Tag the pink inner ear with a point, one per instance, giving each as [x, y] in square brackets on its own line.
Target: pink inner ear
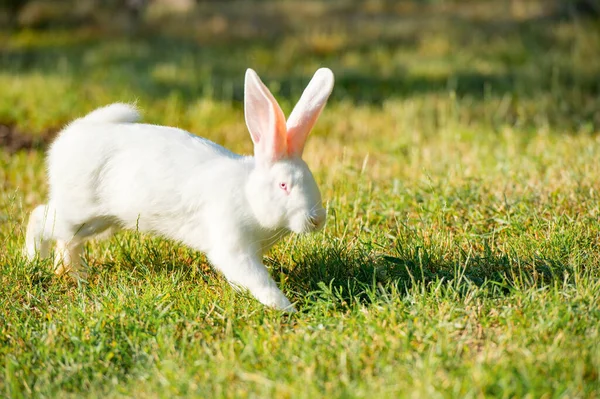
[278, 145]
[265, 120]
[307, 111]
[297, 134]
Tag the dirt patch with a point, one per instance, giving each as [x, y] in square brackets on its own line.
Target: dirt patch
[13, 139]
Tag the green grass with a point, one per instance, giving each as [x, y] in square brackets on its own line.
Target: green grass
[459, 159]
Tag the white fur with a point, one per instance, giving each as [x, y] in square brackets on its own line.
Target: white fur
[106, 172]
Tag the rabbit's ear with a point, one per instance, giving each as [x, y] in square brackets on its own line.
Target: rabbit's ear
[265, 120]
[306, 112]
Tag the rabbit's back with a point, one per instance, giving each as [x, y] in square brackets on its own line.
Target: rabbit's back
[134, 174]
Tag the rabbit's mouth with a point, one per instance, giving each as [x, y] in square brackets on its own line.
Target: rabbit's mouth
[309, 223]
[316, 222]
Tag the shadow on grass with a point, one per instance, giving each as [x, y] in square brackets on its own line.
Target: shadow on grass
[337, 275]
[349, 275]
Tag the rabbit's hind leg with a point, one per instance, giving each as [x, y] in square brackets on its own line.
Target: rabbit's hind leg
[69, 245]
[67, 259]
[70, 238]
[67, 253]
[38, 234]
[47, 224]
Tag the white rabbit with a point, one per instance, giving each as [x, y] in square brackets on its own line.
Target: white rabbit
[107, 172]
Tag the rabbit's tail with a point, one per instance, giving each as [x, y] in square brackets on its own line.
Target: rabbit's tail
[113, 113]
[36, 239]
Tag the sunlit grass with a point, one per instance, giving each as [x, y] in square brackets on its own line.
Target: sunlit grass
[459, 165]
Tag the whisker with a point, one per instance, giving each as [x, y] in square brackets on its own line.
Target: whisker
[270, 240]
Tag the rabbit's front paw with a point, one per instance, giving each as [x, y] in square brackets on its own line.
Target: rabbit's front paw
[274, 298]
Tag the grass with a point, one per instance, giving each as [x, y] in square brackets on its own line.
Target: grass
[459, 161]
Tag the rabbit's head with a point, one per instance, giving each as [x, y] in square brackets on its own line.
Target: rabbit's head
[281, 189]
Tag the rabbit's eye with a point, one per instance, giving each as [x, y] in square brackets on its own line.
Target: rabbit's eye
[284, 187]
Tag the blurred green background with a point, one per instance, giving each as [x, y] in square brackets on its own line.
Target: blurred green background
[533, 57]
